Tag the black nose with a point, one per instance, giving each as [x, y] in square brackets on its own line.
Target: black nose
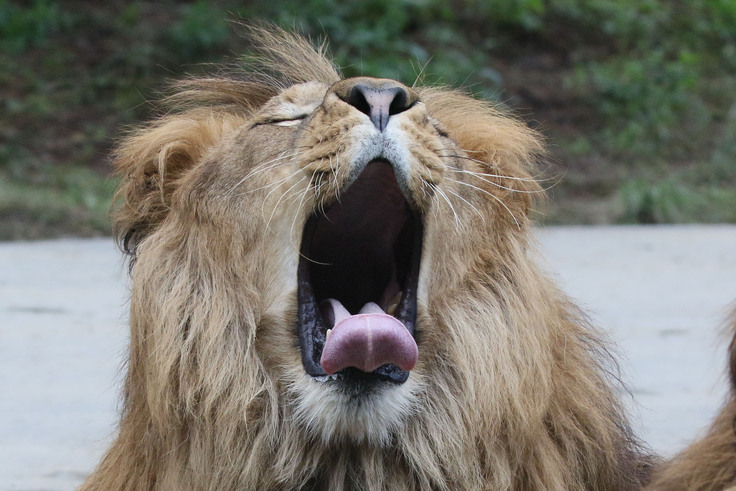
[379, 103]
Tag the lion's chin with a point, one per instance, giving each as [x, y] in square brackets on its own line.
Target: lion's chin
[357, 281]
[337, 413]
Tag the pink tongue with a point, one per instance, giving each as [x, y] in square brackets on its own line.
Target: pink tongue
[367, 340]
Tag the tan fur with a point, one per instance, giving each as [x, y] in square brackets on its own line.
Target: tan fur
[709, 463]
[513, 388]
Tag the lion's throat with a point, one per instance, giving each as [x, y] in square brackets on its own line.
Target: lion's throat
[366, 341]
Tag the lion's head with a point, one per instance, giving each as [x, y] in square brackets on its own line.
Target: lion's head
[334, 286]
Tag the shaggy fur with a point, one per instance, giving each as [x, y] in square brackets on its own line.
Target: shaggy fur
[708, 464]
[512, 389]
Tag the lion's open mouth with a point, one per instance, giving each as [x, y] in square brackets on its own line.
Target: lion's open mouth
[357, 282]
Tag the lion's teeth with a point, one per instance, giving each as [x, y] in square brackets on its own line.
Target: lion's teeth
[325, 378]
[391, 310]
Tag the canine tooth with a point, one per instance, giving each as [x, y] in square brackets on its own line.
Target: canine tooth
[327, 335]
[391, 310]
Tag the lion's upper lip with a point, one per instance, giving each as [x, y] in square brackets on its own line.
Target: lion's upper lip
[365, 248]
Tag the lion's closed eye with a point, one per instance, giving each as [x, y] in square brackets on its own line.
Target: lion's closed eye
[293, 105]
[290, 122]
[285, 118]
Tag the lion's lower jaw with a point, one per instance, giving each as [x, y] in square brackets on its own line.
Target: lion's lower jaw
[335, 415]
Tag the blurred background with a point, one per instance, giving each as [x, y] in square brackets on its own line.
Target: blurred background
[637, 98]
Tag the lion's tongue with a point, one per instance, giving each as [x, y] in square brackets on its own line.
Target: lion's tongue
[367, 340]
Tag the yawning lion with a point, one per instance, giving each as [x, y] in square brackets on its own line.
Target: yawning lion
[334, 286]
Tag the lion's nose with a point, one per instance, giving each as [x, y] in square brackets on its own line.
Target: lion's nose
[379, 103]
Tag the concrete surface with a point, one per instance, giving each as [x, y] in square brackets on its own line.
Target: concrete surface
[662, 292]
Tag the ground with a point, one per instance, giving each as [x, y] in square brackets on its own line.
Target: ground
[661, 292]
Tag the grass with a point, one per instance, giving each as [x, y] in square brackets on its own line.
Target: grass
[69, 201]
[635, 97]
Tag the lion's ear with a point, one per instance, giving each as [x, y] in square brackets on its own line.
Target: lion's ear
[152, 161]
[508, 147]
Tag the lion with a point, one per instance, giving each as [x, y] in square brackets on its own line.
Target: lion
[709, 463]
[335, 285]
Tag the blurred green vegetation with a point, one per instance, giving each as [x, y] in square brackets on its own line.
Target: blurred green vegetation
[637, 97]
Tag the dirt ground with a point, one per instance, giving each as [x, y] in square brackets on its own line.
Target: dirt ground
[662, 293]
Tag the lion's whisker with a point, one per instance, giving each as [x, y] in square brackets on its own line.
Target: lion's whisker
[500, 176]
[420, 75]
[317, 190]
[274, 185]
[480, 175]
[301, 203]
[487, 177]
[443, 195]
[263, 166]
[518, 225]
[271, 185]
[489, 181]
[292, 194]
[287, 196]
[322, 196]
[487, 174]
[314, 261]
[268, 165]
[433, 197]
[275, 207]
[334, 173]
[457, 195]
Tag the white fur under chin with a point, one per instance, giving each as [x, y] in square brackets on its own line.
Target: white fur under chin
[334, 417]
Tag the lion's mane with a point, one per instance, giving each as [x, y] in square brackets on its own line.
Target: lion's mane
[513, 388]
[709, 462]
